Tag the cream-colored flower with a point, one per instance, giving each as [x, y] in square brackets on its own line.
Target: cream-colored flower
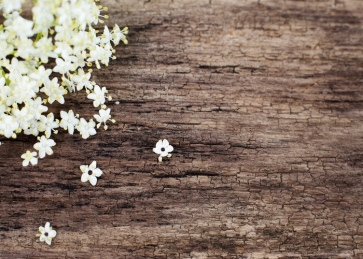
[29, 157]
[46, 233]
[90, 173]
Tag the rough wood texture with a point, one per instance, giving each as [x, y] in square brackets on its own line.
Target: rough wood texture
[263, 102]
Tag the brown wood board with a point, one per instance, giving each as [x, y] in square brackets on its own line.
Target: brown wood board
[263, 103]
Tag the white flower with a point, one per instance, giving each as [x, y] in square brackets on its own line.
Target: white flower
[163, 149]
[11, 5]
[35, 107]
[29, 157]
[8, 125]
[21, 27]
[47, 233]
[54, 91]
[98, 96]
[44, 146]
[22, 116]
[63, 66]
[119, 34]
[90, 173]
[86, 128]
[68, 121]
[82, 80]
[103, 117]
[48, 124]
[45, 49]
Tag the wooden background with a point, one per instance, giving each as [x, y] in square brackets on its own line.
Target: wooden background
[263, 103]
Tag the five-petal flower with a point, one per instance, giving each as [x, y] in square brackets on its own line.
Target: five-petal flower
[47, 233]
[29, 157]
[90, 173]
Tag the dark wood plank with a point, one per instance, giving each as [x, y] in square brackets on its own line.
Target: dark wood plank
[263, 102]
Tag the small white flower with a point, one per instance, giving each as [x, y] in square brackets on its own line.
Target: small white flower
[90, 173]
[103, 118]
[44, 146]
[163, 149]
[86, 128]
[82, 80]
[46, 233]
[68, 121]
[48, 124]
[29, 157]
[11, 5]
[8, 125]
[98, 96]
[21, 27]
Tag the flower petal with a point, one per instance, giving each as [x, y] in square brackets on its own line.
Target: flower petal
[93, 165]
[93, 180]
[165, 143]
[156, 150]
[84, 168]
[34, 161]
[84, 177]
[169, 149]
[48, 241]
[70, 129]
[46, 227]
[25, 162]
[159, 144]
[97, 172]
[164, 153]
[41, 153]
[52, 233]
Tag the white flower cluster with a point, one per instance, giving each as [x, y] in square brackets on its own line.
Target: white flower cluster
[61, 31]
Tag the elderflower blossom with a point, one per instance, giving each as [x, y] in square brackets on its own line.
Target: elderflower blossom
[90, 173]
[47, 233]
[29, 157]
[163, 149]
[103, 117]
[60, 33]
[86, 128]
[44, 146]
[69, 121]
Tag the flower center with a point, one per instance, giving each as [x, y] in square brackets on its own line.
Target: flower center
[162, 149]
[46, 234]
[90, 172]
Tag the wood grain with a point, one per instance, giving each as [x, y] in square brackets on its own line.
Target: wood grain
[263, 103]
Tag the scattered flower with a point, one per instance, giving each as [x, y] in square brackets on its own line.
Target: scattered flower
[29, 157]
[46, 233]
[163, 149]
[90, 173]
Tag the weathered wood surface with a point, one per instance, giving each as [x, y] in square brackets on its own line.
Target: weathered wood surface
[263, 102]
